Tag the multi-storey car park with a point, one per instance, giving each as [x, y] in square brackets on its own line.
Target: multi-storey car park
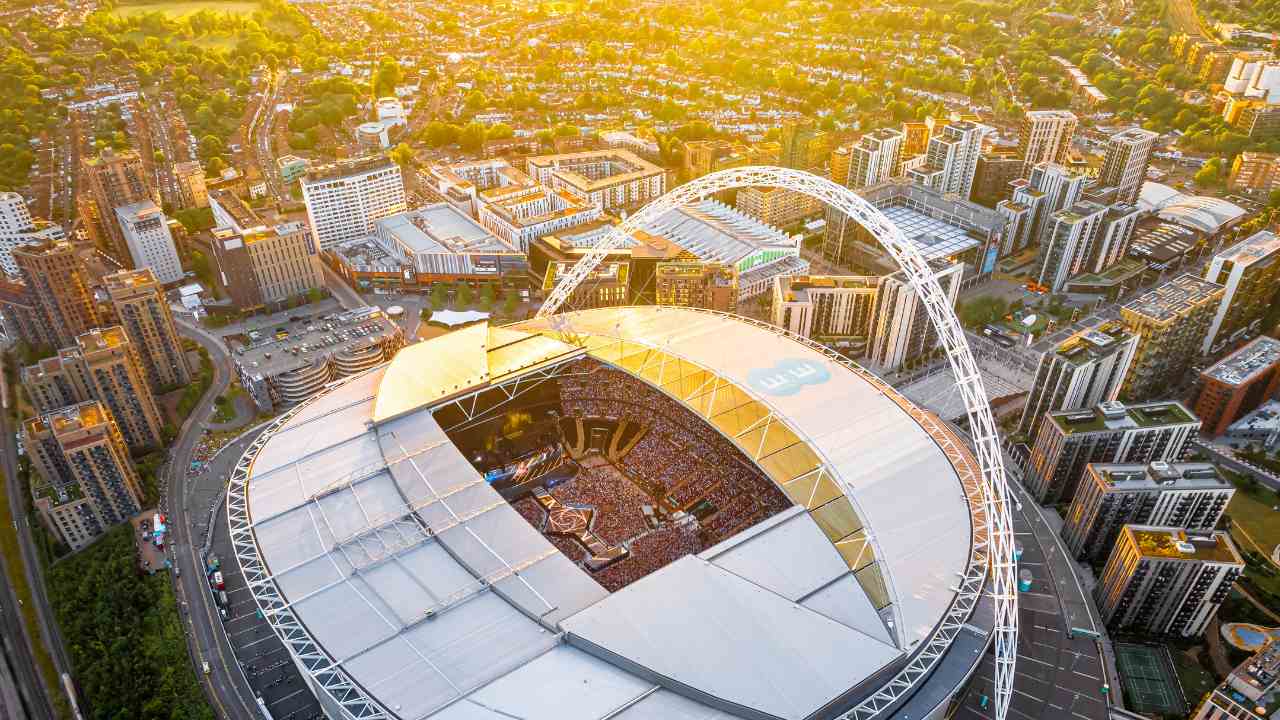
[675, 527]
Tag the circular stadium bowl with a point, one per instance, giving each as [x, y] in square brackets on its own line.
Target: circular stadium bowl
[636, 512]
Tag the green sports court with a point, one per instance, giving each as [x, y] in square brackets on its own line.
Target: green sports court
[1148, 679]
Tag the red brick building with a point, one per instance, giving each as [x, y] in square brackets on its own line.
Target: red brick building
[1238, 384]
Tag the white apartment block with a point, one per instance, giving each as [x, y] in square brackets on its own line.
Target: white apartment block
[1166, 581]
[17, 229]
[344, 199]
[901, 328]
[608, 179]
[521, 217]
[875, 156]
[1125, 166]
[146, 233]
[1044, 136]
[825, 305]
[952, 159]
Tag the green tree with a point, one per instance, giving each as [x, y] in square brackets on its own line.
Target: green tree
[387, 77]
[439, 296]
[463, 296]
[403, 155]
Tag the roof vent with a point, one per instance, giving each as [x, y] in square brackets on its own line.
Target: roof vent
[1112, 409]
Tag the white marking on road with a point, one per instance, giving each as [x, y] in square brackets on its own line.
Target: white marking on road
[277, 701]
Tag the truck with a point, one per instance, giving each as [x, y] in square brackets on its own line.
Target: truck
[217, 580]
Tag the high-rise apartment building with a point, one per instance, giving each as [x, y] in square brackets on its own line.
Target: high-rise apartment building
[803, 146]
[1044, 136]
[86, 481]
[1112, 432]
[191, 186]
[992, 177]
[1170, 322]
[1236, 385]
[113, 180]
[344, 199]
[1085, 370]
[146, 234]
[778, 207]
[1249, 273]
[59, 287]
[952, 158]
[1165, 580]
[902, 329]
[1255, 172]
[104, 366]
[1049, 188]
[1125, 165]
[139, 306]
[20, 316]
[873, 159]
[710, 286]
[1085, 237]
[1251, 690]
[825, 305]
[263, 267]
[17, 228]
[1191, 496]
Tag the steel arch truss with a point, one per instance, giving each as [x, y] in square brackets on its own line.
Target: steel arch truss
[986, 444]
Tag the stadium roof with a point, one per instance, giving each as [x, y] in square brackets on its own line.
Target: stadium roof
[716, 232]
[437, 599]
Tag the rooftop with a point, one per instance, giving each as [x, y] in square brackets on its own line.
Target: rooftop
[231, 203]
[1126, 477]
[1174, 299]
[125, 281]
[1178, 544]
[1092, 343]
[1246, 363]
[476, 608]
[714, 231]
[438, 228]
[343, 168]
[102, 338]
[1115, 415]
[795, 288]
[1259, 246]
[284, 347]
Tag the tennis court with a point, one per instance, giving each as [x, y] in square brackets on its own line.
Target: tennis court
[1149, 682]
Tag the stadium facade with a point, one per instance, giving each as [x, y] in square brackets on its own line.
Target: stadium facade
[407, 582]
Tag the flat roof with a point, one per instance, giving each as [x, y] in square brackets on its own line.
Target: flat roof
[1258, 246]
[716, 232]
[268, 356]
[1174, 298]
[1118, 416]
[436, 599]
[1132, 477]
[1247, 362]
[439, 228]
[1171, 543]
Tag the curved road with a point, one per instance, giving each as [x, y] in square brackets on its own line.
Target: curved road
[225, 683]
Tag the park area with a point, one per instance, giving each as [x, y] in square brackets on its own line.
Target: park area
[183, 8]
[1149, 681]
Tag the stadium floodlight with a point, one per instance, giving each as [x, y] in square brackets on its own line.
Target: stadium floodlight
[950, 334]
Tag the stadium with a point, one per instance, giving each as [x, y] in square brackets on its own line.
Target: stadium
[617, 513]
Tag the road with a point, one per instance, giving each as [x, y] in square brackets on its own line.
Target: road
[1058, 677]
[1225, 457]
[225, 683]
[34, 575]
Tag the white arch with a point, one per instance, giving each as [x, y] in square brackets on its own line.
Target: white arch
[950, 335]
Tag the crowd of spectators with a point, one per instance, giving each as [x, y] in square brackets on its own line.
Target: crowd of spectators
[679, 464]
